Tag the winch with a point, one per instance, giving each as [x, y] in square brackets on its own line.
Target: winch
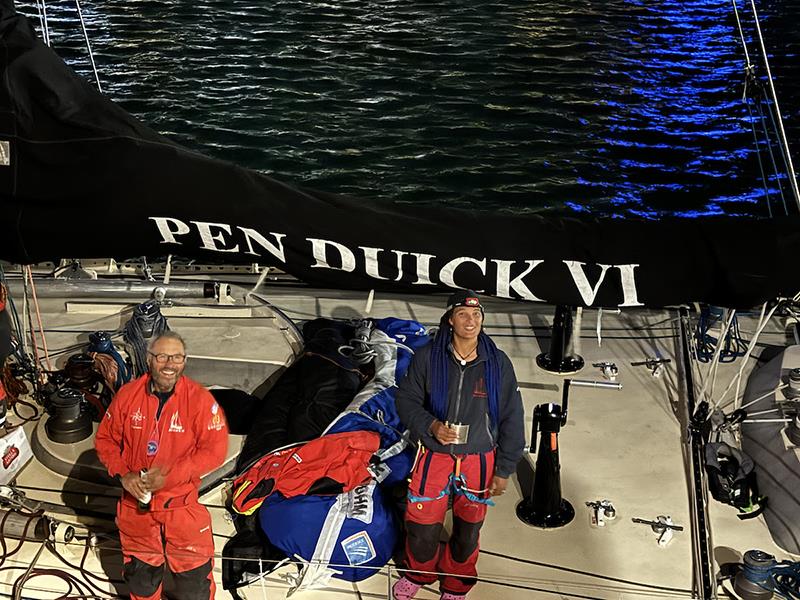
[69, 420]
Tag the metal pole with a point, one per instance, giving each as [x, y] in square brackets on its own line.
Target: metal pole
[94, 288]
[705, 583]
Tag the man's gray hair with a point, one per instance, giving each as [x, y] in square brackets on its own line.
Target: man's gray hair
[166, 335]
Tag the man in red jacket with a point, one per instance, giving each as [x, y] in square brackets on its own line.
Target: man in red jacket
[169, 426]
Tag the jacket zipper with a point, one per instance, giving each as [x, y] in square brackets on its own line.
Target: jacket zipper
[458, 398]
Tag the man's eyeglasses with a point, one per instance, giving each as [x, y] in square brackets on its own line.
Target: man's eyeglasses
[162, 358]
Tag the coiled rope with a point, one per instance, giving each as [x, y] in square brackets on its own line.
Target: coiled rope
[783, 577]
[100, 341]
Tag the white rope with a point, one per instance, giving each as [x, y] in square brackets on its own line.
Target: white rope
[712, 368]
[264, 272]
[750, 349]
[748, 64]
[762, 323]
[599, 327]
[88, 46]
[761, 397]
[261, 577]
[370, 300]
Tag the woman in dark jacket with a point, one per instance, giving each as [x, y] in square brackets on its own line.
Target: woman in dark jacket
[460, 400]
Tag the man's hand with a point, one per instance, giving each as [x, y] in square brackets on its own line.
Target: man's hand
[156, 478]
[134, 485]
[498, 486]
[443, 434]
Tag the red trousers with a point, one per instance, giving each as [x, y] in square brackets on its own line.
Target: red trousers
[425, 514]
[181, 534]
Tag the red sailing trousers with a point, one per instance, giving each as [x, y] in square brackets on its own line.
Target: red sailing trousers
[183, 534]
[425, 514]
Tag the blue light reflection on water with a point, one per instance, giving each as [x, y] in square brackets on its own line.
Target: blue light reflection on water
[619, 108]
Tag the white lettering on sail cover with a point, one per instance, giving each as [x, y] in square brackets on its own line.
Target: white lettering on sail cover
[448, 272]
[371, 262]
[170, 229]
[423, 268]
[211, 238]
[346, 256]
[505, 284]
[586, 290]
[503, 278]
[276, 249]
[167, 233]
[629, 296]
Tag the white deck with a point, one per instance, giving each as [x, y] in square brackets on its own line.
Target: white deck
[623, 445]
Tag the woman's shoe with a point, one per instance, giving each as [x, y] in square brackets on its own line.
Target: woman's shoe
[405, 589]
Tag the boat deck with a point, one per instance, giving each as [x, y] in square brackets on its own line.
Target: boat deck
[624, 445]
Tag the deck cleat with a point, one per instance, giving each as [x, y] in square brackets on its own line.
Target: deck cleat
[656, 365]
[609, 370]
[663, 527]
[602, 511]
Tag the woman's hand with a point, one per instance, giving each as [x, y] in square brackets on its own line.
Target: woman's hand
[443, 434]
[498, 486]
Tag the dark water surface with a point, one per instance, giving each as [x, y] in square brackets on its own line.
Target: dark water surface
[623, 108]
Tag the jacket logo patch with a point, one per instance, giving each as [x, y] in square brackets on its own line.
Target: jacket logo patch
[152, 448]
[479, 391]
[137, 419]
[215, 423]
[175, 423]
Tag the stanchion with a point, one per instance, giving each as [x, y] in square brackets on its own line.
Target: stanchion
[545, 507]
[559, 358]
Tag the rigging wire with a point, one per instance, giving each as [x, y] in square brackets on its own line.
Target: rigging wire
[781, 131]
[752, 82]
[768, 141]
[513, 582]
[88, 46]
[41, 7]
[585, 573]
[768, 145]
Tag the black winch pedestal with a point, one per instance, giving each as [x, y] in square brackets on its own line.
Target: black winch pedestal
[546, 508]
[559, 358]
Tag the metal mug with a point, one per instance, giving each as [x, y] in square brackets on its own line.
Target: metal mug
[462, 432]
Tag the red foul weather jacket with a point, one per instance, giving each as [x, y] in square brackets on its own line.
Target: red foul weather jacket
[189, 439]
